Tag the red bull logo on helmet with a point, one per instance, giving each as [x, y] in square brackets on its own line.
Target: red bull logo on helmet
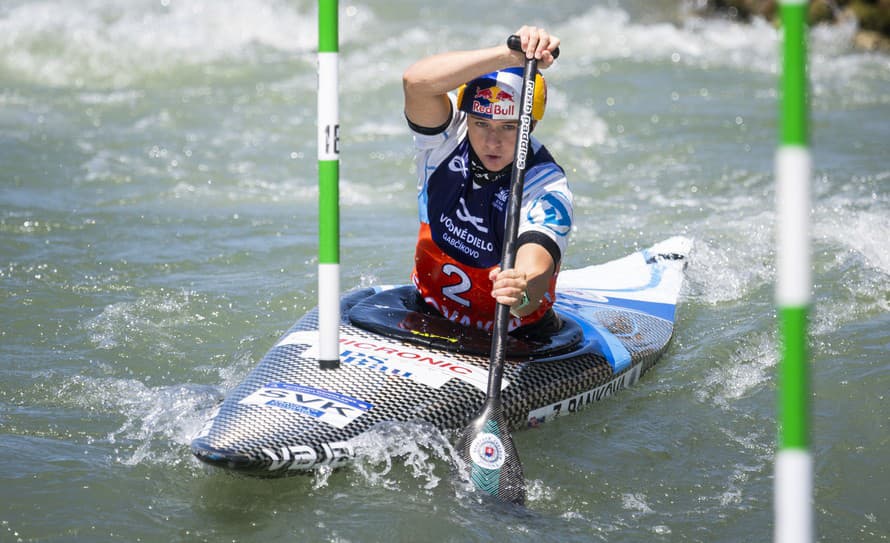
[496, 95]
[495, 103]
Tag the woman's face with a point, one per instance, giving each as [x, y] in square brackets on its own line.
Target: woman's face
[493, 141]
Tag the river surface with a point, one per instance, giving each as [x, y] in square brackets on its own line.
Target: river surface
[158, 233]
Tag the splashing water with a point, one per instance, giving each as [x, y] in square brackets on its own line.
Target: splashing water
[418, 446]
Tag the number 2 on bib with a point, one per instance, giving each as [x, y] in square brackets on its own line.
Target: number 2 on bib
[454, 291]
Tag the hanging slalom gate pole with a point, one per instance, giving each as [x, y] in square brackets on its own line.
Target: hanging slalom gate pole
[328, 189]
[794, 465]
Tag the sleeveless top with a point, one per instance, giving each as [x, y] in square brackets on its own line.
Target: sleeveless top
[462, 223]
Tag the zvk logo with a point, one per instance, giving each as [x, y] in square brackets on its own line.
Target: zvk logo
[464, 215]
[549, 210]
[458, 164]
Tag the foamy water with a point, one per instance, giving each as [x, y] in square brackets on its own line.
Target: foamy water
[158, 232]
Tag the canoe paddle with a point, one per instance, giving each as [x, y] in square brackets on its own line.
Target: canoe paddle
[485, 444]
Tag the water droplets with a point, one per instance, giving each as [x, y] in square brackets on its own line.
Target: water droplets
[420, 447]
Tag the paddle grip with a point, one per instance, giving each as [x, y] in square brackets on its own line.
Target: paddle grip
[515, 43]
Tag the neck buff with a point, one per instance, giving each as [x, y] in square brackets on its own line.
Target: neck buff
[482, 175]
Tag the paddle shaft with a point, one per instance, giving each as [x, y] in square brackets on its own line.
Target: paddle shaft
[508, 255]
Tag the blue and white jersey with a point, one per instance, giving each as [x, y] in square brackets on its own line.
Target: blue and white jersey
[462, 224]
[547, 199]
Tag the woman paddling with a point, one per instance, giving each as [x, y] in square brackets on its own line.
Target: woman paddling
[465, 142]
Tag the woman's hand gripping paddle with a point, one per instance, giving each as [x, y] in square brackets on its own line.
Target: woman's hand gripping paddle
[485, 443]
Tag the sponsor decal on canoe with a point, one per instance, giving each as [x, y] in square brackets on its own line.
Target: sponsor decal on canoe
[304, 457]
[338, 410]
[576, 403]
[432, 370]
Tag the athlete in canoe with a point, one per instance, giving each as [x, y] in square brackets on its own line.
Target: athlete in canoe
[465, 143]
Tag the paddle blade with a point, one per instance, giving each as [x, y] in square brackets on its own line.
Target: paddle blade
[487, 448]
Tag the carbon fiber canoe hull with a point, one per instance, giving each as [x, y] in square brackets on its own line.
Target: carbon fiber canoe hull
[289, 416]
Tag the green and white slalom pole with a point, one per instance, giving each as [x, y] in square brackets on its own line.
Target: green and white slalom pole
[794, 465]
[328, 187]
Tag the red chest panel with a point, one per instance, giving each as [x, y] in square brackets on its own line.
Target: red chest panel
[459, 292]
